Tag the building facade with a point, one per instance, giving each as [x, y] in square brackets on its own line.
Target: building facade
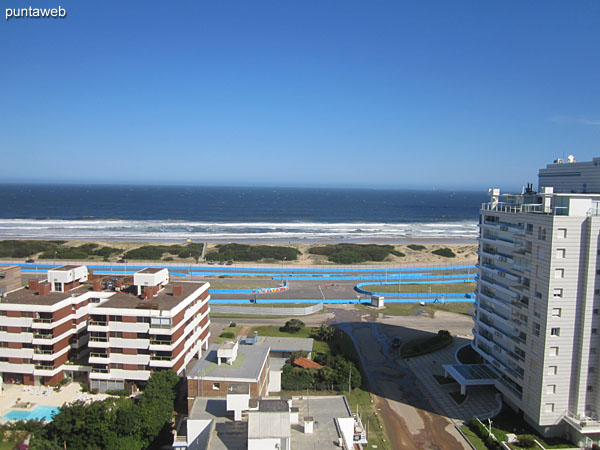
[114, 336]
[537, 315]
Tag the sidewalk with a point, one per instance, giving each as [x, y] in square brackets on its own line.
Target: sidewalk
[480, 399]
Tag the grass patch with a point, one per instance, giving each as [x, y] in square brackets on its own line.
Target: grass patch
[457, 397]
[409, 309]
[366, 407]
[423, 346]
[416, 247]
[473, 438]
[273, 331]
[246, 284]
[443, 380]
[510, 422]
[355, 253]
[436, 288]
[235, 330]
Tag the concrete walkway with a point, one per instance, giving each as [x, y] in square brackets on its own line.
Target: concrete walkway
[480, 399]
[67, 394]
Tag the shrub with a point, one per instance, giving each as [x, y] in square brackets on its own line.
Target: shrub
[297, 354]
[416, 247]
[119, 392]
[292, 326]
[355, 253]
[245, 252]
[232, 324]
[227, 335]
[445, 252]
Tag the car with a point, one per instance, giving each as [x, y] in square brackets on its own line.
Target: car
[29, 260]
[122, 261]
[396, 342]
[221, 263]
[230, 262]
[211, 262]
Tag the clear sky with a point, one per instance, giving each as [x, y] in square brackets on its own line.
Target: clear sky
[451, 94]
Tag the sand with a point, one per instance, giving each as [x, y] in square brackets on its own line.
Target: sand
[465, 253]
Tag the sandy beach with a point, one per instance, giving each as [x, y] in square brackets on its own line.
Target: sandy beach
[465, 252]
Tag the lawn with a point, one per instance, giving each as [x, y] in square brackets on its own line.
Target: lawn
[366, 407]
[243, 284]
[410, 309]
[473, 438]
[235, 330]
[510, 422]
[436, 288]
[273, 330]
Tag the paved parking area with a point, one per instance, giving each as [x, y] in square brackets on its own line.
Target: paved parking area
[481, 400]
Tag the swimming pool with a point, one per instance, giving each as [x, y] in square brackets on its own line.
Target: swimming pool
[40, 413]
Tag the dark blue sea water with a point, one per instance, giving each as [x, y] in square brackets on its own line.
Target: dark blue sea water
[233, 213]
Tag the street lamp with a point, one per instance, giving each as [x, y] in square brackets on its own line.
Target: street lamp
[284, 258]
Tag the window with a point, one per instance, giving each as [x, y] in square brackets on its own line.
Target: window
[115, 318]
[552, 370]
[556, 312]
[116, 366]
[590, 388]
[536, 329]
[559, 273]
[591, 369]
[549, 407]
[594, 330]
[560, 253]
[561, 233]
[551, 389]
[542, 233]
[529, 228]
[553, 351]
[557, 293]
[595, 311]
[116, 334]
[555, 331]
[593, 351]
[216, 386]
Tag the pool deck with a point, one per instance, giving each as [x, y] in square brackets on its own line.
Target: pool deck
[67, 394]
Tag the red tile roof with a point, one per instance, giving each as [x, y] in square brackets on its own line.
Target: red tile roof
[307, 363]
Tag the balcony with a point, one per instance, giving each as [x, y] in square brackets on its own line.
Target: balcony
[100, 370]
[42, 320]
[43, 336]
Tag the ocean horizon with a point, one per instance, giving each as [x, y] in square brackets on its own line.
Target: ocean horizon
[200, 213]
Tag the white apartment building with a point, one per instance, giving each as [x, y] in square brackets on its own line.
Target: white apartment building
[537, 315]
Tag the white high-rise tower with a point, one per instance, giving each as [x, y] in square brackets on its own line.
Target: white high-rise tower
[537, 317]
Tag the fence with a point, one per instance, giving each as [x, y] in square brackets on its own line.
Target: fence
[266, 311]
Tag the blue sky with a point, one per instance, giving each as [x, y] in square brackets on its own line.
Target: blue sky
[451, 94]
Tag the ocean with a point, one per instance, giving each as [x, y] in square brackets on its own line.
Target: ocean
[173, 213]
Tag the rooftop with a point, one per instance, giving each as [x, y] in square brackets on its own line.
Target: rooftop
[26, 296]
[287, 344]
[150, 270]
[307, 363]
[274, 425]
[229, 434]
[273, 405]
[64, 268]
[164, 300]
[248, 364]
